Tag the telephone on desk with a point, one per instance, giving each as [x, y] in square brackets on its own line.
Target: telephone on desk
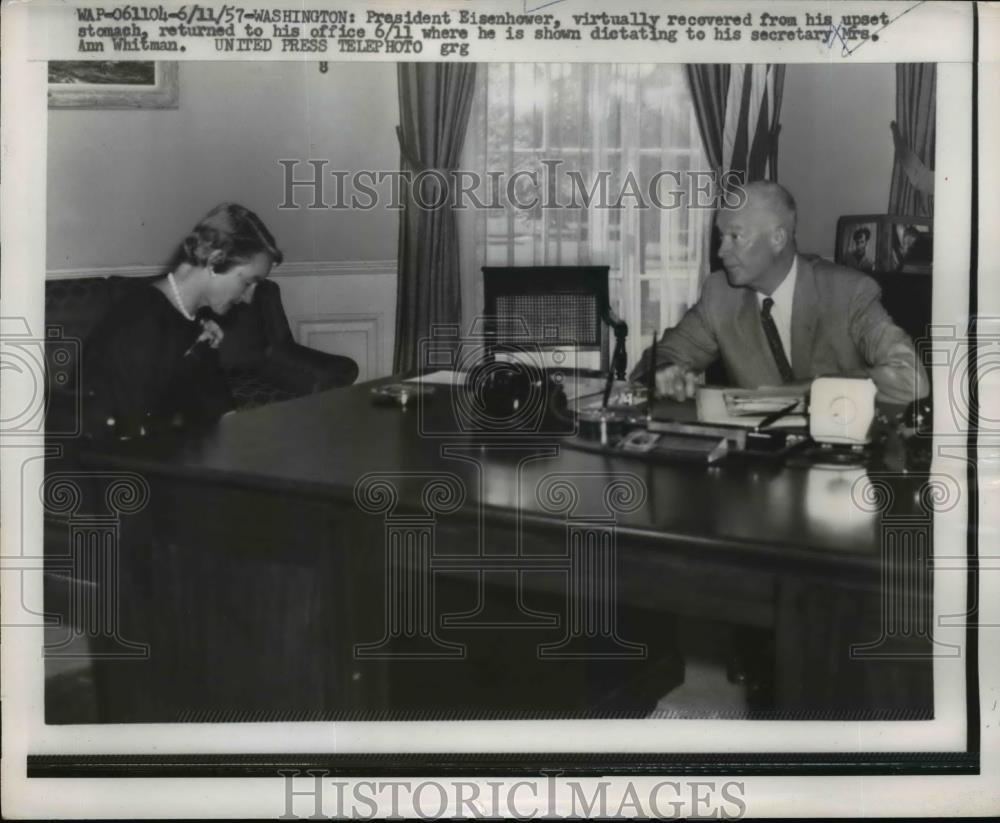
[510, 390]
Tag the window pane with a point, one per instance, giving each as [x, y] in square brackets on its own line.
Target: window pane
[529, 99]
[596, 118]
[649, 219]
[649, 308]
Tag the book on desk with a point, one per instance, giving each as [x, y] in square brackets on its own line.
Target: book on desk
[721, 422]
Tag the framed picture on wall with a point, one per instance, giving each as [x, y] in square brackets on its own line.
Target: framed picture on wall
[113, 84]
[858, 241]
[909, 244]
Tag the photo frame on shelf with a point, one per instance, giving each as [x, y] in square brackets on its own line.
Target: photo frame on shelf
[909, 244]
[858, 241]
[886, 243]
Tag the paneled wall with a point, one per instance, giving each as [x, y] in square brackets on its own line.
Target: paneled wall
[344, 308]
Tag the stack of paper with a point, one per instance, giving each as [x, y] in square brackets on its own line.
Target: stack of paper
[749, 407]
[742, 402]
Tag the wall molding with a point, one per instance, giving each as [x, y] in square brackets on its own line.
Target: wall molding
[335, 267]
[297, 268]
[104, 271]
[358, 288]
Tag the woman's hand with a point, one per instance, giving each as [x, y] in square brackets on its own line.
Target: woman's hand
[212, 332]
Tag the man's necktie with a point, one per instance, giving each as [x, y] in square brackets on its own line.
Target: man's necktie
[774, 341]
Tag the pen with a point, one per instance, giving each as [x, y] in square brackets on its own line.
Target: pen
[607, 388]
[775, 416]
[651, 394]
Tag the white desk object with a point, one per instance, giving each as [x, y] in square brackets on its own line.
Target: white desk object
[841, 410]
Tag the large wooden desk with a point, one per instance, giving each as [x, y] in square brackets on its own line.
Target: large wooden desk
[323, 558]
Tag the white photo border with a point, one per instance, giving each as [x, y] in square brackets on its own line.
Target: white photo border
[359, 745]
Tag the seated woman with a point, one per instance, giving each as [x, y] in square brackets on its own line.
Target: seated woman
[152, 362]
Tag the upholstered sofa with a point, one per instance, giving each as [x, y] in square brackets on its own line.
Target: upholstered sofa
[262, 361]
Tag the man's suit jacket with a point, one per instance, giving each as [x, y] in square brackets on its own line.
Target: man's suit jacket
[839, 328]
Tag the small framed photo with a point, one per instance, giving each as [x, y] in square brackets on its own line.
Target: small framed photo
[858, 241]
[909, 244]
[113, 84]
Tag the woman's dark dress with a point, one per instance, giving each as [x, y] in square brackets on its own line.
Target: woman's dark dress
[144, 373]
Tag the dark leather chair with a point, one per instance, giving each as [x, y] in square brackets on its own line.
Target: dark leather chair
[553, 307]
[262, 362]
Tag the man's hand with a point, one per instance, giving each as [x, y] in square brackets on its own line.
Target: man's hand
[676, 382]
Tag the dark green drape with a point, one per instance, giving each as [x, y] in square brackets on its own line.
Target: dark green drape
[763, 159]
[755, 156]
[435, 100]
[709, 84]
[916, 93]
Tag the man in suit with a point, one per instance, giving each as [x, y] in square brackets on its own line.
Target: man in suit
[775, 316]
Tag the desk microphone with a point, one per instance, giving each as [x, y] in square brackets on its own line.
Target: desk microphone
[607, 386]
[651, 377]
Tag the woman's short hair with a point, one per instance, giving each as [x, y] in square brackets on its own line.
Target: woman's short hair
[228, 235]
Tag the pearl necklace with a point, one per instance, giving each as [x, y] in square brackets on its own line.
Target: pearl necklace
[177, 298]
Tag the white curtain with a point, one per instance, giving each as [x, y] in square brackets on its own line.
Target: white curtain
[622, 123]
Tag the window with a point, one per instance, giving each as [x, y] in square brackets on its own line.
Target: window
[553, 134]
